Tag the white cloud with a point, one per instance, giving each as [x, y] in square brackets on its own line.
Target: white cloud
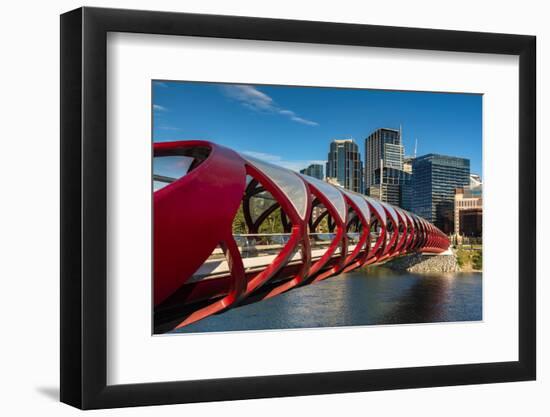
[294, 165]
[287, 113]
[304, 121]
[254, 99]
[250, 96]
[158, 107]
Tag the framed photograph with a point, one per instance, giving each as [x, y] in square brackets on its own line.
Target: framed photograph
[257, 208]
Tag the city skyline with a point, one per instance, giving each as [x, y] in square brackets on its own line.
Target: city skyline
[265, 121]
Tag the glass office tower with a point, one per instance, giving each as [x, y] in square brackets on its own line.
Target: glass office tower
[344, 165]
[385, 178]
[434, 181]
[313, 170]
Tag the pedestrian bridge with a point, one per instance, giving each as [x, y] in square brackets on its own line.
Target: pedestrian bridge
[230, 229]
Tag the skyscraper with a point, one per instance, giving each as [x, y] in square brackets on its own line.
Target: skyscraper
[344, 164]
[313, 170]
[434, 181]
[385, 178]
[407, 164]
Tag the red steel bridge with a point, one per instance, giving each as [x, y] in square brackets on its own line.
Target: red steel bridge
[203, 265]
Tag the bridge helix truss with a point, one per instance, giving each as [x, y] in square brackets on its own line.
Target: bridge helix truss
[211, 248]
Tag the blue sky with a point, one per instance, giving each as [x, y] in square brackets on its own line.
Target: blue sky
[293, 126]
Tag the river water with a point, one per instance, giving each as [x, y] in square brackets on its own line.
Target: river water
[363, 297]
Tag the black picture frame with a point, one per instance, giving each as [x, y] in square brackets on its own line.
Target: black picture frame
[84, 207]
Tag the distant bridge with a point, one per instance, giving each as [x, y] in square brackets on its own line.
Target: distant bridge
[202, 266]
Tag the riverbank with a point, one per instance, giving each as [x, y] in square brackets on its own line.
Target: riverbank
[418, 263]
[457, 261]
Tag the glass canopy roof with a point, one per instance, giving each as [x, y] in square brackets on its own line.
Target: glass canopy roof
[393, 213]
[331, 192]
[288, 182]
[359, 202]
[378, 207]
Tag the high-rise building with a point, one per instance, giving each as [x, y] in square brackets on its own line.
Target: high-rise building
[407, 164]
[385, 177]
[434, 181]
[382, 147]
[313, 170]
[468, 215]
[344, 164]
[395, 188]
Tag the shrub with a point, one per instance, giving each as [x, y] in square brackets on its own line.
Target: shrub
[462, 258]
[477, 259]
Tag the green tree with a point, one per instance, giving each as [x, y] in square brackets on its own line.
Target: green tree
[323, 226]
[239, 224]
[477, 259]
[462, 257]
[272, 224]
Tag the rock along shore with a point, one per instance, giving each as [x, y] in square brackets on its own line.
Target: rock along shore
[425, 264]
